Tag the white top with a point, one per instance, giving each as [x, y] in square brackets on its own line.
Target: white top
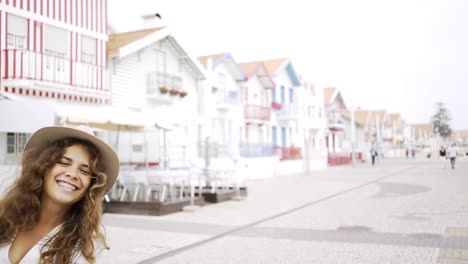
[452, 151]
[34, 254]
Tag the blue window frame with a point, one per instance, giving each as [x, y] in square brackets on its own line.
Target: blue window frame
[283, 136]
[282, 94]
[291, 95]
[274, 135]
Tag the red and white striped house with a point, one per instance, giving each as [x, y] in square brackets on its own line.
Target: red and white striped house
[52, 51]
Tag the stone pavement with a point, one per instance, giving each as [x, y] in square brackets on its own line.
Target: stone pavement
[400, 211]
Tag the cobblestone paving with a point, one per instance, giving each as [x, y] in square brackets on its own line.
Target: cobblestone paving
[397, 212]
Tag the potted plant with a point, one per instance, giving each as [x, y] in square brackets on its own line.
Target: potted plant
[214, 89]
[276, 105]
[174, 92]
[182, 94]
[163, 90]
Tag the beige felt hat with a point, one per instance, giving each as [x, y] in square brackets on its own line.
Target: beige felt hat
[46, 135]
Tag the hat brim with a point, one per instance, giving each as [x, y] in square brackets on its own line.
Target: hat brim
[47, 135]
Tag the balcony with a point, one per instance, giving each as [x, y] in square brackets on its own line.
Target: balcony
[257, 113]
[227, 99]
[164, 88]
[288, 112]
[54, 74]
[335, 124]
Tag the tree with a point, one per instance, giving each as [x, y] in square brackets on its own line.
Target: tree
[440, 121]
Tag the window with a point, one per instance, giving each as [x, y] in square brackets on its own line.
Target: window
[291, 95]
[137, 147]
[273, 95]
[15, 42]
[55, 48]
[282, 95]
[274, 135]
[17, 32]
[222, 81]
[88, 49]
[15, 143]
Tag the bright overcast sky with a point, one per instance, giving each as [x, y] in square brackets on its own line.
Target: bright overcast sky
[398, 55]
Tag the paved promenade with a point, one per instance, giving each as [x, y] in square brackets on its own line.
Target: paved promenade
[400, 211]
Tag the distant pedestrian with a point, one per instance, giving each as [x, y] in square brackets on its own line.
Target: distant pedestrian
[413, 152]
[452, 152]
[443, 156]
[374, 154]
[407, 153]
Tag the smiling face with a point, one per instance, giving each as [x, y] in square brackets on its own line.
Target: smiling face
[68, 180]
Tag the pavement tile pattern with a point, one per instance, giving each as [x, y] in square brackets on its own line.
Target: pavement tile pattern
[400, 211]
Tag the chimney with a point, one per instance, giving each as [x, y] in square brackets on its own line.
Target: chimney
[153, 20]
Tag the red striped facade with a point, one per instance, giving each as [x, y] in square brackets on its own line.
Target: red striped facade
[54, 49]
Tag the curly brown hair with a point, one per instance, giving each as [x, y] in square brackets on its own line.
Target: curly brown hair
[20, 208]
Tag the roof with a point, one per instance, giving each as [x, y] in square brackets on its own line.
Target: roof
[275, 66]
[460, 133]
[224, 58]
[361, 116]
[347, 114]
[119, 40]
[258, 69]
[215, 57]
[123, 44]
[328, 94]
[395, 117]
[420, 129]
[378, 114]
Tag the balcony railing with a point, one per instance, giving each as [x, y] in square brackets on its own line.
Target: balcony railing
[257, 112]
[164, 88]
[256, 150]
[77, 76]
[289, 111]
[227, 98]
[289, 153]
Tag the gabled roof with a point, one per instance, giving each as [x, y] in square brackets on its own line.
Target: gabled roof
[380, 115]
[123, 44]
[224, 58]
[420, 129]
[215, 57]
[395, 118]
[119, 40]
[258, 69]
[362, 116]
[276, 66]
[358, 122]
[330, 94]
[460, 134]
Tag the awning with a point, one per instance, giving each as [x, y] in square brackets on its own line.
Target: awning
[104, 117]
[26, 116]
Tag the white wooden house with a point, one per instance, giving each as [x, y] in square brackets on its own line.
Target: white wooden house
[224, 110]
[287, 115]
[151, 73]
[258, 158]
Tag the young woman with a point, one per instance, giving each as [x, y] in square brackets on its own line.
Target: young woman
[443, 156]
[53, 212]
